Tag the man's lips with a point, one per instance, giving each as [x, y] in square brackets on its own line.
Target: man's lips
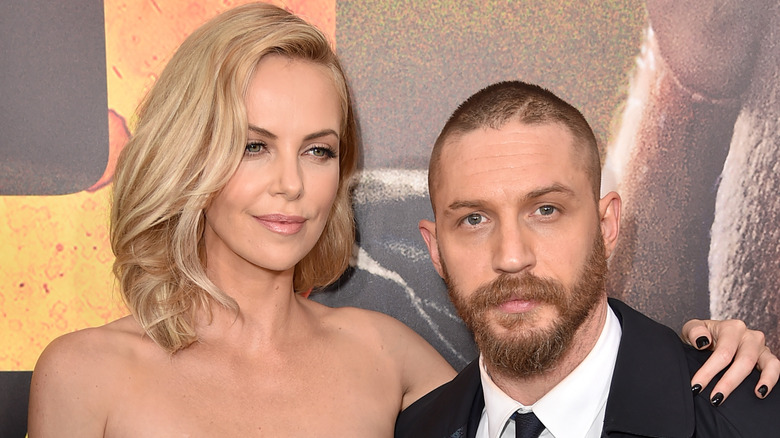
[517, 305]
[282, 224]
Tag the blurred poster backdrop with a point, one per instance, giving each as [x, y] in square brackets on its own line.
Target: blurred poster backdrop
[684, 100]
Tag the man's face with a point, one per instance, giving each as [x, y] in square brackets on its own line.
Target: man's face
[518, 239]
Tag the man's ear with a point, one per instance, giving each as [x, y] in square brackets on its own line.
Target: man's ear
[609, 217]
[428, 232]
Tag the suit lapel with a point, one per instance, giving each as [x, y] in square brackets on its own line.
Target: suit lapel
[648, 395]
[452, 410]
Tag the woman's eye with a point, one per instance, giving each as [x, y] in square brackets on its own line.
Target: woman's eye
[254, 148]
[474, 219]
[321, 152]
[546, 210]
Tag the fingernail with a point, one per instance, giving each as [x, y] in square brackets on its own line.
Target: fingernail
[702, 341]
[717, 399]
[696, 389]
[763, 390]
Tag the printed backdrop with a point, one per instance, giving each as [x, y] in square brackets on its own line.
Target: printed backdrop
[684, 99]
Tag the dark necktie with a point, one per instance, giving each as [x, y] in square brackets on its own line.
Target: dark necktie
[527, 425]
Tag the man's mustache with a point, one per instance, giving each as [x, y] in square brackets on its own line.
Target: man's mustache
[526, 286]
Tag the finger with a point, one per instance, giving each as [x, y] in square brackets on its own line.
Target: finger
[769, 365]
[719, 360]
[696, 333]
[744, 364]
[732, 338]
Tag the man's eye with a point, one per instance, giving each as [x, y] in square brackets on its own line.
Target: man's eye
[546, 210]
[474, 219]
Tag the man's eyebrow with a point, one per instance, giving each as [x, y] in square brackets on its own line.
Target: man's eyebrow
[464, 204]
[554, 188]
[312, 136]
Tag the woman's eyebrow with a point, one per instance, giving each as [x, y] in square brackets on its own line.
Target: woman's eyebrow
[266, 133]
[263, 132]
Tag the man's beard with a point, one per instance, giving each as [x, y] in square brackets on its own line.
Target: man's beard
[526, 351]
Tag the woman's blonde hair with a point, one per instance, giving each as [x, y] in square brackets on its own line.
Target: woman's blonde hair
[189, 139]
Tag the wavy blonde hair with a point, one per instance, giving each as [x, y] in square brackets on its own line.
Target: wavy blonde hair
[189, 139]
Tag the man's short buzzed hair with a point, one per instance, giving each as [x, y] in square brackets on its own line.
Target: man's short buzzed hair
[494, 106]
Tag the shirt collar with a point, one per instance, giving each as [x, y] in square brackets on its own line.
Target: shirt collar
[573, 405]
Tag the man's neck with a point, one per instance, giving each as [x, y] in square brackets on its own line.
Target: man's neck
[527, 390]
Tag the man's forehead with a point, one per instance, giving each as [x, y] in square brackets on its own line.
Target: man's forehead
[510, 145]
[515, 157]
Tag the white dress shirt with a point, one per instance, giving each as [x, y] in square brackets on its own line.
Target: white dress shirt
[574, 408]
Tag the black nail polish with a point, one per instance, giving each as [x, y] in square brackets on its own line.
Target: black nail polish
[763, 390]
[702, 341]
[717, 399]
[696, 389]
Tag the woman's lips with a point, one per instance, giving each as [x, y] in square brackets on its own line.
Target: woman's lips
[282, 224]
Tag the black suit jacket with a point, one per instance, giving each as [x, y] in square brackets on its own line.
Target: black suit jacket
[650, 394]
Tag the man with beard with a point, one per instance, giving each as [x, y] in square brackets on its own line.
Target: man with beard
[521, 239]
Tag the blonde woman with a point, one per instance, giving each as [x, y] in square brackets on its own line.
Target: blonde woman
[231, 199]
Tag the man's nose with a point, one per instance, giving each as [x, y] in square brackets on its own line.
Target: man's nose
[513, 250]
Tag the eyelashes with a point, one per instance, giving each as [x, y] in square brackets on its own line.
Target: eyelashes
[543, 213]
[323, 152]
[254, 148]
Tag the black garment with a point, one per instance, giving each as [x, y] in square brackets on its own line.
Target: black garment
[650, 394]
[527, 425]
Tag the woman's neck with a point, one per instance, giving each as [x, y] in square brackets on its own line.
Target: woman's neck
[268, 309]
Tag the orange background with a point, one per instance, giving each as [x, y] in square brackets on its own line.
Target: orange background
[55, 258]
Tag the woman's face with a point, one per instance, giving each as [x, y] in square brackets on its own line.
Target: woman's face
[273, 209]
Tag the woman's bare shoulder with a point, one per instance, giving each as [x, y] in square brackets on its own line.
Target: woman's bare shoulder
[421, 367]
[71, 387]
[86, 355]
[365, 322]
[107, 342]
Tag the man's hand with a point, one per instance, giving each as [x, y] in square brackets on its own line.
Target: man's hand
[732, 343]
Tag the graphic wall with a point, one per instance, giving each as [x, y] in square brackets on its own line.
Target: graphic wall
[684, 99]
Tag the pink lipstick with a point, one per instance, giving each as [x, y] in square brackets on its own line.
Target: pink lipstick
[281, 224]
